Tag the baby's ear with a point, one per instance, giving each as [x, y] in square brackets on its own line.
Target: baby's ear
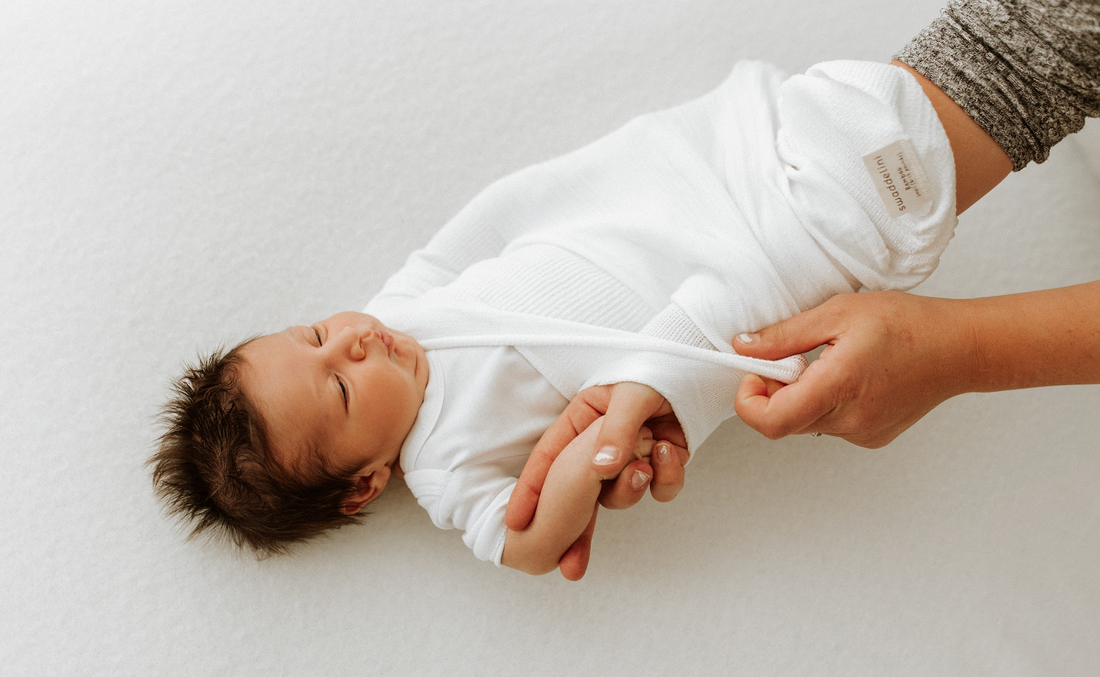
[368, 486]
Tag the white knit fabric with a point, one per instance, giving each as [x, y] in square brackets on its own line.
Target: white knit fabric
[831, 117]
[640, 256]
[573, 356]
[484, 409]
[723, 215]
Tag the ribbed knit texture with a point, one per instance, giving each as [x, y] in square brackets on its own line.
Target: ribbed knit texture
[1027, 71]
[673, 324]
[582, 291]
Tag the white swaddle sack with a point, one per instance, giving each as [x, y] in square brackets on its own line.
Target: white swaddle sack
[641, 255]
[810, 216]
[726, 214]
[862, 140]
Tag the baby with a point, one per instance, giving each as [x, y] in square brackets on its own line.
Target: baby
[635, 259]
[352, 387]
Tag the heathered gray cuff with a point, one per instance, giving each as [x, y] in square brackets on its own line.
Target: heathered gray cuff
[1028, 71]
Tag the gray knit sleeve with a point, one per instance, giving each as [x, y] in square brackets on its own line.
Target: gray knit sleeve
[1028, 71]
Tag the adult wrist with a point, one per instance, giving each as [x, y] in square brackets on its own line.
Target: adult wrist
[1034, 339]
[964, 357]
[969, 352]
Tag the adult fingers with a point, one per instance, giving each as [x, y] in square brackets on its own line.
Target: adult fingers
[776, 412]
[663, 476]
[574, 563]
[628, 488]
[630, 405]
[578, 415]
[525, 495]
[795, 335]
[668, 471]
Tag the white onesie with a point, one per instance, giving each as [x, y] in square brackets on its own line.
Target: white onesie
[640, 256]
[484, 409]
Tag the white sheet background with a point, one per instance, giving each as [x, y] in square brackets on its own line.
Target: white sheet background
[174, 175]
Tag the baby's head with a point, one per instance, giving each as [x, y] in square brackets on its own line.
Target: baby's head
[290, 434]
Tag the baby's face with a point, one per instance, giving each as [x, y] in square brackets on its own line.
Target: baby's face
[347, 385]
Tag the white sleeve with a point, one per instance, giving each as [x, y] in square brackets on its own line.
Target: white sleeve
[673, 324]
[482, 230]
[701, 393]
[467, 238]
[473, 500]
[485, 495]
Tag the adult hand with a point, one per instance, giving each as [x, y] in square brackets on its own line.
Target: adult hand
[625, 407]
[890, 359]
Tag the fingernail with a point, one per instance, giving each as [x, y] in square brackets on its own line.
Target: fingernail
[664, 453]
[639, 479]
[607, 456]
[748, 339]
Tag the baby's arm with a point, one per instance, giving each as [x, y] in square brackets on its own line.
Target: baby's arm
[565, 506]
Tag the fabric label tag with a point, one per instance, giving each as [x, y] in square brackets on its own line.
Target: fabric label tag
[896, 172]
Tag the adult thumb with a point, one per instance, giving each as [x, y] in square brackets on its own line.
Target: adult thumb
[799, 334]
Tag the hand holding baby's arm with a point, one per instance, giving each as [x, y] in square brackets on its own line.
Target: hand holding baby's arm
[626, 406]
[566, 505]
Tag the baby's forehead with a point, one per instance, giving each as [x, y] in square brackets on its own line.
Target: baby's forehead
[271, 349]
[256, 360]
[273, 380]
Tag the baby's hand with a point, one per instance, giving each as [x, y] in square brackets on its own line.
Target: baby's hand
[643, 447]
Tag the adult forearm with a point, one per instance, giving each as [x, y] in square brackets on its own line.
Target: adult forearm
[980, 164]
[893, 357]
[1035, 339]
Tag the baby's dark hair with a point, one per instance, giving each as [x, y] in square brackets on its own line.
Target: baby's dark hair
[214, 467]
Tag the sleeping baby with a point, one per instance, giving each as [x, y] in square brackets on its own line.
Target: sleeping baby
[634, 259]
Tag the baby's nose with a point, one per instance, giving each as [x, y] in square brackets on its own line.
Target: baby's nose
[349, 342]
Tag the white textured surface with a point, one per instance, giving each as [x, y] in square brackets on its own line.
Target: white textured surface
[1088, 142]
[178, 174]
